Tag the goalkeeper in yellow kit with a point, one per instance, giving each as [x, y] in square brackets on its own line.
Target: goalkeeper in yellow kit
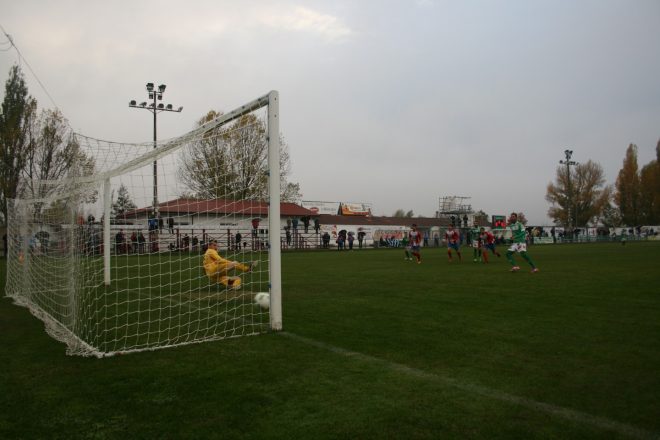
[217, 268]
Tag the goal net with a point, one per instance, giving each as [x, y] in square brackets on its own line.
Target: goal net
[113, 258]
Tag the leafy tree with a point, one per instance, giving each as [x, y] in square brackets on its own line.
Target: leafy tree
[650, 190]
[16, 115]
[124, 202]
[410, 214]
[628, 191]
[579, 197]
[233, 160]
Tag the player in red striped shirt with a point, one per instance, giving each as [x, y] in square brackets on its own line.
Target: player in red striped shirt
[453, 239]
[488, 244]
[415, 238]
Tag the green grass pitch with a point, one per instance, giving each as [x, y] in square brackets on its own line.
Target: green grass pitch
[377, 347]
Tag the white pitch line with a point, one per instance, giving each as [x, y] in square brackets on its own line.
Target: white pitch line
[547, 408]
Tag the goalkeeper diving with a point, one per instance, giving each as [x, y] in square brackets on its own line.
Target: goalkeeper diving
[217, 268]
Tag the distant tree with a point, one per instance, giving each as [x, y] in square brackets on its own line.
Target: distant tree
[480, 217]
[410, 214]
[650, 190]
[611, 217]
[399, 213]
[233, 160]
[521, 218]
[291, 193]
[583, 199]
[124, 202]
[16, 115]
[628, 188]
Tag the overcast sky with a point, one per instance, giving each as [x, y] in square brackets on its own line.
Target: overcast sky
[394, 103]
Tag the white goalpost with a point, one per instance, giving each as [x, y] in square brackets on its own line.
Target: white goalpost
[113, 263]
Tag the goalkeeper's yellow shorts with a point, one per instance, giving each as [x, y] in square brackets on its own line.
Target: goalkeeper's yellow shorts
[230, 282]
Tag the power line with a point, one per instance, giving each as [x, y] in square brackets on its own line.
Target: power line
[22, 59]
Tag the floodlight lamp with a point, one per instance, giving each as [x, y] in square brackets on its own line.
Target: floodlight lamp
[143, 104]
[160, 106]
[132, 103]
[169, 106]
[152, 105]
[161, 88]
[180, 108]
[150, 87]
[151, 96]
[160, 96]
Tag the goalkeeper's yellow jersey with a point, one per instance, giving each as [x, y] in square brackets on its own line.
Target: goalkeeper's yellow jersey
[212, 260]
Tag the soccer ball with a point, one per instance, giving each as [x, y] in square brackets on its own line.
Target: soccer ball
[262, 299]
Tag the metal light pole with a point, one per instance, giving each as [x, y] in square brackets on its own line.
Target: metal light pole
[568, 162]
[155, 108]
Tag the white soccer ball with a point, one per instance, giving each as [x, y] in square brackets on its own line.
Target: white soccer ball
[262, 299]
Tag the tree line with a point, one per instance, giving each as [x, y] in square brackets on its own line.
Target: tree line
[580, 196]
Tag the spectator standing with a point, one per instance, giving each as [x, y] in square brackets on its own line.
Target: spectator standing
[119, 242]
[341, 239]
[360, 237]
[134, 242]
[141, 242]
[255, 231]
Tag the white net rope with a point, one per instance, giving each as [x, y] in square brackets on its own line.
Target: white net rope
[212, 185]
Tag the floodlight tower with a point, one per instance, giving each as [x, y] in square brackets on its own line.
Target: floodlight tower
[155, 108]
[568, 162]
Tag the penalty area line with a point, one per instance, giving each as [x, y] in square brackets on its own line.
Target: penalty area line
[547, 408]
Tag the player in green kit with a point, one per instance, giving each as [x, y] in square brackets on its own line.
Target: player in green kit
[519, 244]
[475, 238]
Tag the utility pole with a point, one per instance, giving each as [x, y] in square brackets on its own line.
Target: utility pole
[568, 162]
[155, 108]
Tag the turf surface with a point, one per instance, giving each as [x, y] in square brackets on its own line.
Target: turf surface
[378, 347]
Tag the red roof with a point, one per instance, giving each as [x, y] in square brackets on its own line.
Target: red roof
[185, 206]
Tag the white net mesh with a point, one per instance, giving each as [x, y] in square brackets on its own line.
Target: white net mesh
[212, 185]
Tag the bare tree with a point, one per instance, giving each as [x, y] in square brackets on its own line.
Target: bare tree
[233, 160]
[54, 155]
[585, 198]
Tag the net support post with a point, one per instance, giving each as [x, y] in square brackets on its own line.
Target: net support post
[107, 203]
[274, 214]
